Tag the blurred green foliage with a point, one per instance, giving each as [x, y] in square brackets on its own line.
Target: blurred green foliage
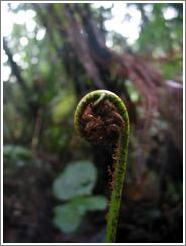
[161, 37]
[16, 155]
[75, 185]
[78, 179]
[63, 106]
[69, 217]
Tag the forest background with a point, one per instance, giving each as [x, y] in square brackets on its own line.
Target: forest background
[53, 54]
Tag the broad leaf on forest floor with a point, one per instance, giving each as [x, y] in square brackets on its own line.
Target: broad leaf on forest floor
[77, 179]
[68, 217]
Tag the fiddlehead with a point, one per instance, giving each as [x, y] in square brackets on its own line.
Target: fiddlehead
[102, 118]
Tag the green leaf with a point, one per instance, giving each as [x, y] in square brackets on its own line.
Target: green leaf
[68, 217]
[77, 179]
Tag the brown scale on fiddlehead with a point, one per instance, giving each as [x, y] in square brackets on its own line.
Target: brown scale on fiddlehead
[101, 125]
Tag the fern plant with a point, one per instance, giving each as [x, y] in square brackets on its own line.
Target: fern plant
[101, 118]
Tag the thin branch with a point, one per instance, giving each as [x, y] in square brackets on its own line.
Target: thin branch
[15, 69]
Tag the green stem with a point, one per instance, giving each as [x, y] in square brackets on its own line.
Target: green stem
[121, 153]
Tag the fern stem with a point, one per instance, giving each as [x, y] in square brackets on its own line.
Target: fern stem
[120, 160]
